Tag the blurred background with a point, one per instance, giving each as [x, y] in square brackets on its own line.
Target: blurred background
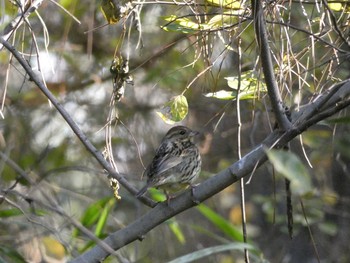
[50, 184]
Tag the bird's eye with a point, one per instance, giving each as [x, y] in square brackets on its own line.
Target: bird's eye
[182, 132]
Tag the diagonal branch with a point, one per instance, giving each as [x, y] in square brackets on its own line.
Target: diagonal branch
[80, 134]
[215, 184]
[267, 66]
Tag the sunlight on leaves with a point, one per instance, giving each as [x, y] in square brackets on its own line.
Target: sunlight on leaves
[174, 110]
[289, 165]
[183, 25]
[225, 19]
[232, 4]
[250, 88]
[339, 7]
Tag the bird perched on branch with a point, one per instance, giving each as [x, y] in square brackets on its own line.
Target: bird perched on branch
[177, 162]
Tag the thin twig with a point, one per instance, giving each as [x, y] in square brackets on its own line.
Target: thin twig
[18, 20]
[205, 190]
[75, 128]
[267, 66]
[239, 152]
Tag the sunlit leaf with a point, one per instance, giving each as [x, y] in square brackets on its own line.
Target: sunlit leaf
[289, 165]
[174, 110]
[339, 7]
[204, 253]
[183, 25]
[232, 4]
[222, 95]
[221, 223]
[175, 228]
[250, 88]
[225, 19]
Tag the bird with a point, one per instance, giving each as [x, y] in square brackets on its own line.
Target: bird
[176, 164]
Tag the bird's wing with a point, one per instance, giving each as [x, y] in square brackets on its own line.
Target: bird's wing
[164, 160]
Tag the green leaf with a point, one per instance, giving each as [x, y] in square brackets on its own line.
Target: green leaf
[104, 216]
[290, 166]
[204, 253]
[92, 214]
[11, 255]
[174, 110]
[10, 212]
[183, 25]
[157, 195]
[225, 226]
[175, 228]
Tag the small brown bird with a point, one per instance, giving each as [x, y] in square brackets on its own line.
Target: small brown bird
[177, 162]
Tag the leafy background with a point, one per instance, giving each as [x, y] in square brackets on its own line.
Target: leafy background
[51, 186]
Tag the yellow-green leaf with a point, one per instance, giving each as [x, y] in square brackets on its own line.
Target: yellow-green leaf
[53, 248]
[339, 7]
[174, 110]
[103, 217]
[183, 25]
[113, 10]
[175, 228]
[231, 4]
[290, 166]
[225, 19]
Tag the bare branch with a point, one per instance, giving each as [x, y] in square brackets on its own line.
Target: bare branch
[82, 137]
[23, 14]
[266, 63]
[215, 184]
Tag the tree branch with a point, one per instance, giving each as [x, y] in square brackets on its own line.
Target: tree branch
[215, 184]
[267, 66]
[23, 13]
[82, 137]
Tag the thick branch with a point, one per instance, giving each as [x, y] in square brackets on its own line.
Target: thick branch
[267, 66]
[82, 137]
[215, 184]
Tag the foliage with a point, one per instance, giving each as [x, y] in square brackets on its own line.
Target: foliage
[55, 197]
